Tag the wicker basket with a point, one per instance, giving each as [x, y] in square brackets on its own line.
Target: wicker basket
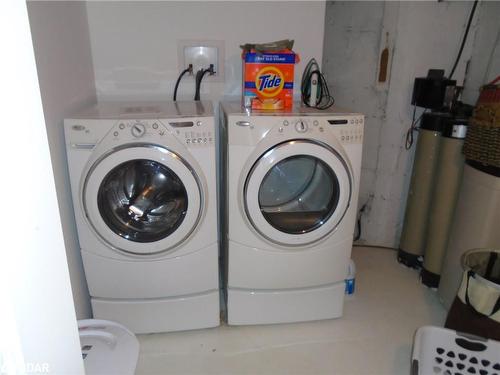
[482, 143]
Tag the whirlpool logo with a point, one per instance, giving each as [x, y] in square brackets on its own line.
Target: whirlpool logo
[269, 81]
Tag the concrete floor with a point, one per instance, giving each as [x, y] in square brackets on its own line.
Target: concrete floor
[375, 335]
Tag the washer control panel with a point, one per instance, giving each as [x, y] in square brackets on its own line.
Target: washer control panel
[198, 137]
[189, 132]
[139, 129]
[194, 133]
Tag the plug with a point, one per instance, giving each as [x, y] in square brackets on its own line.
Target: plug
[190, 69]
[211, 70]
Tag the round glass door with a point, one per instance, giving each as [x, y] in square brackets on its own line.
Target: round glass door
[142, 200]
[297, 192]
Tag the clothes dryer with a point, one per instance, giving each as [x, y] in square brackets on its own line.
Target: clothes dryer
[144, 193]
[291, 192]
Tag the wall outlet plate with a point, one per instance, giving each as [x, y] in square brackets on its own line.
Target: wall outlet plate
[202, 53]
[201, 57]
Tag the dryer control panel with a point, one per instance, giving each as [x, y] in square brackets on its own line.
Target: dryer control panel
[347, 128]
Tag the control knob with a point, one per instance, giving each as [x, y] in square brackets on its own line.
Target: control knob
[301, 126]
[138, 130]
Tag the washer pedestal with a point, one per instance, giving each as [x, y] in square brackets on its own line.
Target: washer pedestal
[162, 314]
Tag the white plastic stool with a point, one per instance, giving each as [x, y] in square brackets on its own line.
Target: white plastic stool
[107, 347]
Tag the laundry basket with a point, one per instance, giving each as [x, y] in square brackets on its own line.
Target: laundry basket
[447, 352]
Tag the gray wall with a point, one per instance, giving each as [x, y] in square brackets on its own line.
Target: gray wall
[485, 60]
[134, 44]
[66, 77]
[419, 36]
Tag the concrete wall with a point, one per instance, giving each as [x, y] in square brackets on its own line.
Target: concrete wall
[485, 61]
[62, 50]
[350, 64]
[419, 36]
[134, 44]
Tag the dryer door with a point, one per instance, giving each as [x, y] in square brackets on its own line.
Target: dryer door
[142, 199]
[297, 192]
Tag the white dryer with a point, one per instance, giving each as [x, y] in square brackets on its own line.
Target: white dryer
[291, 198]
[144, 193]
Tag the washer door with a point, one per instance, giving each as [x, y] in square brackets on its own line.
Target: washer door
[297, 192]
[142, 199]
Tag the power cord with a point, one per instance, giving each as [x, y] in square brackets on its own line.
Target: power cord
[324, 99]
[189, 70]
[199, 77]
[358, 226]
[375, 247]
[466, 33]
[413, 128]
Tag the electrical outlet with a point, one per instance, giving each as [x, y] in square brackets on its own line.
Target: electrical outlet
[202, 53]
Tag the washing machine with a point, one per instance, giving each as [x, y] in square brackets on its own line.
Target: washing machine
[144, 195]
[291, 191]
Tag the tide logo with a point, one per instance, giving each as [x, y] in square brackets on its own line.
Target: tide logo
[269, 81]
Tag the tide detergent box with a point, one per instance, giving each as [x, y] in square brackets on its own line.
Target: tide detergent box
[268, 79]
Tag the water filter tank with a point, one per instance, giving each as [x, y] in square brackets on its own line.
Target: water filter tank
[450, 165]
[412, 243]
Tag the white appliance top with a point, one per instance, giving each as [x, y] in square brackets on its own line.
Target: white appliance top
[298, 109]
[146, 110]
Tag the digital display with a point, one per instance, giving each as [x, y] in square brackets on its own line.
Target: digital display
[183, 124]
[338, 122]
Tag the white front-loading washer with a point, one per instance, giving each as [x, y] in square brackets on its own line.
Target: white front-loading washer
[291, 189]
[144, 194]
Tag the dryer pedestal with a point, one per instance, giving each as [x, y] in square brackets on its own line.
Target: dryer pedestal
[285, 306]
